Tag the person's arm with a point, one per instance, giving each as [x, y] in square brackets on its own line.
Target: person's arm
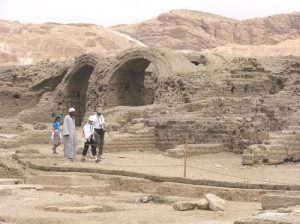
[66, 127]
[103, 122]
[105, 125]
[86, 132]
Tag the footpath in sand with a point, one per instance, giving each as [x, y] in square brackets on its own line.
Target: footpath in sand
[56, 190]
[215, 168]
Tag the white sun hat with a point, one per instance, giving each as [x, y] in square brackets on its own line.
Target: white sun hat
[91, 118]
[99, 110]
[72, 109]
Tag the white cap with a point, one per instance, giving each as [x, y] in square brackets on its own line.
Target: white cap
[71, 110]
[99, 110]
[91, 118]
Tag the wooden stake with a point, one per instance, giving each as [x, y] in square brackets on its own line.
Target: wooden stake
[185, 158]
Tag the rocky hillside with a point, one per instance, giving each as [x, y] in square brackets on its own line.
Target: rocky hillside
[284, 48]
[178, 29]
[194, 30]
[28, 43]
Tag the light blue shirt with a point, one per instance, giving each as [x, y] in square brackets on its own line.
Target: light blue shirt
[56, 126]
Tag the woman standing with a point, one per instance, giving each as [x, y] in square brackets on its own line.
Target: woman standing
[56, 134]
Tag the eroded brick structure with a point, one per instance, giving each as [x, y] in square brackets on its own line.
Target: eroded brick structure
[165, 98]
[130, 79]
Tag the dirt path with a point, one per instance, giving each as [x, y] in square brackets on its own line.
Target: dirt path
[223, 166]
[28, 207]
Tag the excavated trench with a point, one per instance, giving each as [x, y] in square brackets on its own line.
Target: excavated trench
[100, 181]
[99, 185]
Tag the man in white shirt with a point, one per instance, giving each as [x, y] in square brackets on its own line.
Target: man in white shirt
[100, 129]
[89, 139]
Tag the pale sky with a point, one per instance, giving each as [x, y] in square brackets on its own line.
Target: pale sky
[113, 12]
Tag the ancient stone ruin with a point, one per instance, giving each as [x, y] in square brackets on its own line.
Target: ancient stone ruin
[206, 131]
[213, 102]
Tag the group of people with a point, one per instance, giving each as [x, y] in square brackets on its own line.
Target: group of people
[93, 134]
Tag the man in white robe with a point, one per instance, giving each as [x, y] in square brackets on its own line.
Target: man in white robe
[70, 135]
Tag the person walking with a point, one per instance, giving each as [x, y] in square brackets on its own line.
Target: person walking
[89, 140]
[70, 135]
[100, 127]
[56, 135]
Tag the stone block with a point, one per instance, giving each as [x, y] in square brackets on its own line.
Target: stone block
[5, 181]
[184, 206]
[215, 203]
[274, 201]
[5, 192]
[79, 209]
[195, 149]
[247, 159]
[40, 126]
[62, 180]
[28, 151]
[90, 190]
[202, 204]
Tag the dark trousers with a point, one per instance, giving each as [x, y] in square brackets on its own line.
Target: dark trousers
[99, 135]
[92, 143]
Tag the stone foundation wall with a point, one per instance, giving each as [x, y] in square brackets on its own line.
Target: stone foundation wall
[235, 133]
[25, 90]
[41, 112]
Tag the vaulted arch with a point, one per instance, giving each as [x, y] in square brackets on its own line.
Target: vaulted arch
[133, 78]
[75, 85]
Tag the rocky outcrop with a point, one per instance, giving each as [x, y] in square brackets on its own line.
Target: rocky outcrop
[178, 29]
[284, 48]
[194, 30]
[22, 44]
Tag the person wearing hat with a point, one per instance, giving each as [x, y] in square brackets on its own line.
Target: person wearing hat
[100, 129]
[89, 139]
[70, 135]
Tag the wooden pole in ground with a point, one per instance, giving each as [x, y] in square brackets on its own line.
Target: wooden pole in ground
[185, 158]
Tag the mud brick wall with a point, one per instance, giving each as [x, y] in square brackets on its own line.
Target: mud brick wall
[247, 131]
[235, 133]
[172, 133]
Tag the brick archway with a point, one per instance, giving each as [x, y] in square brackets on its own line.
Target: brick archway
[77, 91]
[132, 78]
[132, 84]
[74, 88]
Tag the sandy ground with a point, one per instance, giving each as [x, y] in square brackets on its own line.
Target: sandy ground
[223, 166]
[26, 206]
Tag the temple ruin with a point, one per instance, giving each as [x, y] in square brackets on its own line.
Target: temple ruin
[242, 105]
[220, 114]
